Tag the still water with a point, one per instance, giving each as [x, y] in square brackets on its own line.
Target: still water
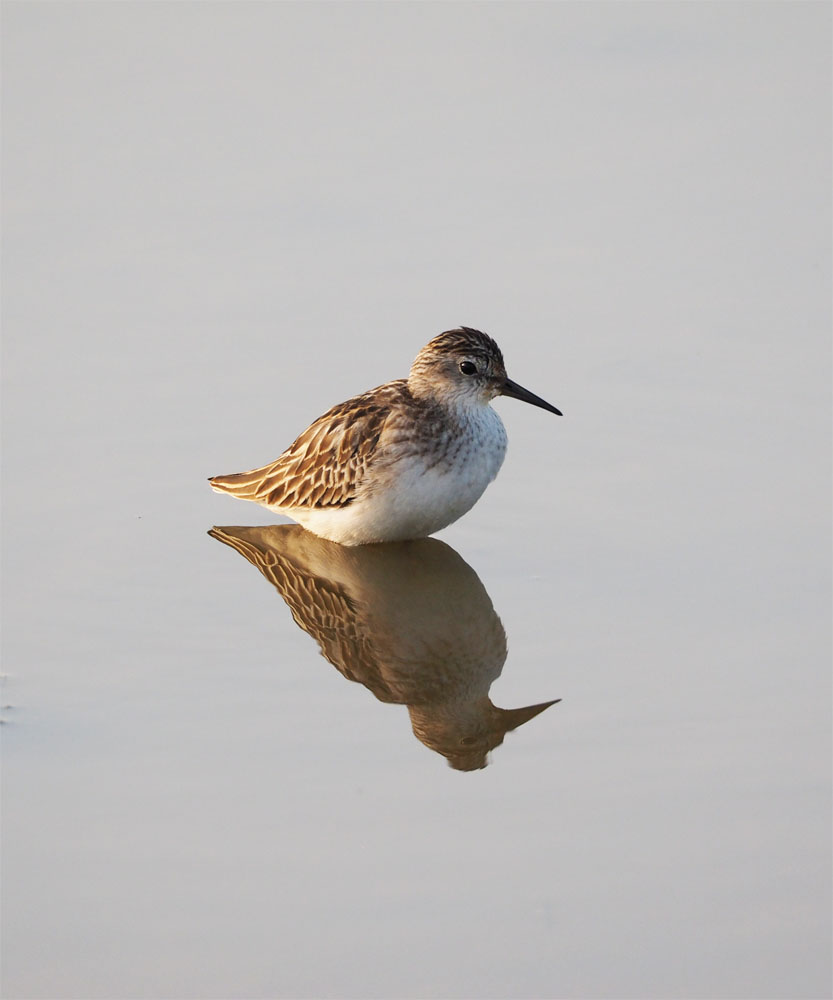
[578, 745]
[196, 803]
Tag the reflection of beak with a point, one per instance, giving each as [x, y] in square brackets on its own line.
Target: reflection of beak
[516, 391]
[514, 717]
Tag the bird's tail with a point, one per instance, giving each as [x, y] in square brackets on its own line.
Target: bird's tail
[240, 484]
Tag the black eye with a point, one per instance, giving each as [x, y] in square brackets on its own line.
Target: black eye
[468, 368]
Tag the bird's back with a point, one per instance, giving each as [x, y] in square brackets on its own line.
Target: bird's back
[326, 464]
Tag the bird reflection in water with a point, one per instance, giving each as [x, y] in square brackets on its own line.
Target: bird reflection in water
[409, 620]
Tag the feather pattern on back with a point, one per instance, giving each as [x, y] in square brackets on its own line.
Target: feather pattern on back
[326, 465]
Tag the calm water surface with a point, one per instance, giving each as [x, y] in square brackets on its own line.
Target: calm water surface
[188, 778]
[317, 772]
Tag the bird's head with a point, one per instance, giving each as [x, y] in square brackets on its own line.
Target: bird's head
[465, 367]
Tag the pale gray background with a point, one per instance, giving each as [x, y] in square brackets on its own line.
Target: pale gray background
[220, 219]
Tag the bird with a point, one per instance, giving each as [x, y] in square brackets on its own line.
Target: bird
[411, 621]
[400, 461]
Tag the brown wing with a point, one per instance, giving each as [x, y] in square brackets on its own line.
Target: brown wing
[325, 465]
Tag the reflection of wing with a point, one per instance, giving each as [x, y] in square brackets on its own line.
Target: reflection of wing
[319, 606]
[324, 466]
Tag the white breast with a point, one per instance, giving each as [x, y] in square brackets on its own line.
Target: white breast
[421, 491]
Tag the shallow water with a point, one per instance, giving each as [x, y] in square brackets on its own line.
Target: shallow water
[221, 220]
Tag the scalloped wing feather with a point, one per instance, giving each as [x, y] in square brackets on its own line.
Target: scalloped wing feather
[324, 466]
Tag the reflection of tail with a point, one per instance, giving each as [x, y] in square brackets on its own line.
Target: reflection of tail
[320, 606]
[244, 547]
[309, 597]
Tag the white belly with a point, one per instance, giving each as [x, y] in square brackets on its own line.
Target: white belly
[412, 497]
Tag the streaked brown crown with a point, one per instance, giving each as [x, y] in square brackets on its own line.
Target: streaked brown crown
[438, 362]
[466, 341]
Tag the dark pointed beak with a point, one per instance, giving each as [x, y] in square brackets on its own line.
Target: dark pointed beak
[516, 391]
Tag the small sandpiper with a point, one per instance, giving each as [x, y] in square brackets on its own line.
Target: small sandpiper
[402, 460]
